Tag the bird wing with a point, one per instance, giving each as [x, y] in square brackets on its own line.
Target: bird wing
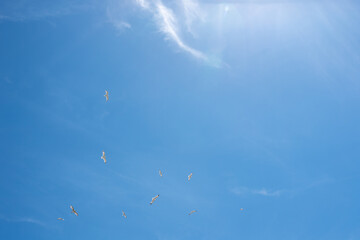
[153, 199]
[189, 177]
[160, 173]
[103, 157]
[192, 212]
[106, 95]
[61, 219]
[73, 210]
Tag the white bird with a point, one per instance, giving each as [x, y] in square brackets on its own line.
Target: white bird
[73, 210]
[193, 211]
[106, 95]
[189, 177]
[123, 213]
[103, 157]
[160, 173]
[60, 219]
[154, 198]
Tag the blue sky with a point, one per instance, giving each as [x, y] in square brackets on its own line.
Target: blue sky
[258, 99]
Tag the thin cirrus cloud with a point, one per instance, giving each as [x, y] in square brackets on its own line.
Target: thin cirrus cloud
[115, 21]
[168, 24]
[22, 220]
[143, 3]
[192, 12]
[266, 192]
[262, 192]
[123, 24]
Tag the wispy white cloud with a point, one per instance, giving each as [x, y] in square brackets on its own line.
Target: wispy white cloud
[266, 192]
[117, 22]
[30, 220]
[167, 23]
[263, 191]
[143, 3]
[275, 193]
[120, 25]
[23, 220]
[192, 13]
[123, 24]
[170, 21]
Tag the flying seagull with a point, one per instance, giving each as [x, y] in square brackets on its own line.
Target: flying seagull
[106, 95]
[160, 173]
[103, 157]
[189, 177]
[241, 209]
[154, 198]
[73, 210]
[60, 219]
[123, 213]
[193, 211]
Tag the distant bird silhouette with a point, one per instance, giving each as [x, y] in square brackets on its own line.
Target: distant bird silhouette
[106, 95]
[160, 173]
[103, 157]
[123, 213]
[189, 177]
[241, 209]
[60, 219]
[193, 211]
[73, 210]
[154, 198]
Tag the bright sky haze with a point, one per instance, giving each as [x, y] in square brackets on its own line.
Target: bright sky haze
[259, 99]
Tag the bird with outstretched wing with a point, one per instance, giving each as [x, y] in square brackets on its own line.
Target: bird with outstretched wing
[193, 211]
[73, 210]
[154, 198]
[103, 157]
[189, 177]
[106, 95]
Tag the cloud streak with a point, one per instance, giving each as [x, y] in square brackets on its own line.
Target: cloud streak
[268, 193]
[192, 13]
[23, 220]
[117, 23]
[143, 3]
[262, 192]
[167, 23]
